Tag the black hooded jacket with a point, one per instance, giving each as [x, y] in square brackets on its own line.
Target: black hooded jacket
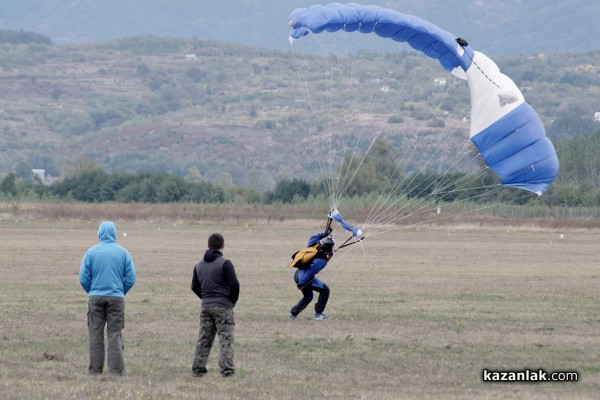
[215, 281]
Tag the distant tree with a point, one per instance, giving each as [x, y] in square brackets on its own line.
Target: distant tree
[87, 186]
[195, 74]
[84, 165]
[9, 36]
[23, 171]
[395, 119]
[142, 70]
[377, 171]
[570, 124]
[420, 184]
[56, 93]
[580, 160]
[9, 184]
[106, 117]
[288, 190]
[171, 189]
[206, 192]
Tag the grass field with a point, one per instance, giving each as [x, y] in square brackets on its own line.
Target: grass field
[418, 315]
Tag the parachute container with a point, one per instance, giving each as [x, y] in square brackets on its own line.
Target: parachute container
[506, 131]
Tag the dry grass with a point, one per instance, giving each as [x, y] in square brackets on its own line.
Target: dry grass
[417, 316]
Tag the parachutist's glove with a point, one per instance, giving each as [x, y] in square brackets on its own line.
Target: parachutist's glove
[299, 286]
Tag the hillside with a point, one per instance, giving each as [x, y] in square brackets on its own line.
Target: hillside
[494, 26]
[246, 115]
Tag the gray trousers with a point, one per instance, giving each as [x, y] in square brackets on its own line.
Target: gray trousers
[215, 320]
[109, 311]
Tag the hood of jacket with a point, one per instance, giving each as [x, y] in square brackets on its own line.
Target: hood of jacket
[212, 255]
[107, 232]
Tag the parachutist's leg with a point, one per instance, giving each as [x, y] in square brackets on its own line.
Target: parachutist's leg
[307, 293]
[323, 298]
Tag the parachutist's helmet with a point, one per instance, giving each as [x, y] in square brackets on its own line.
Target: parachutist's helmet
[326, 245]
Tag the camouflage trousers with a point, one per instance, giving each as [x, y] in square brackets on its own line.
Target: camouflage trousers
[215, 320]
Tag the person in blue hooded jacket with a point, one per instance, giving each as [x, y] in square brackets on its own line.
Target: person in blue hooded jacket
[307, 281]
[107, 273]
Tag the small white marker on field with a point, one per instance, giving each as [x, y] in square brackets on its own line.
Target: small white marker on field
[562, 236]
[124, 234]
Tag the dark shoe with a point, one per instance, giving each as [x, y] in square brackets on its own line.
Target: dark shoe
[196, 374]
[227, 374]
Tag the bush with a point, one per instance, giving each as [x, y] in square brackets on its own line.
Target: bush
[289, 191]
[395, 119]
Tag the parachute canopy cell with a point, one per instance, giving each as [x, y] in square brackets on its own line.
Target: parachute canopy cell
[507, 131]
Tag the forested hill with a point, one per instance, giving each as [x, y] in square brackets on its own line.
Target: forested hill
[246, 115]
[494, 26]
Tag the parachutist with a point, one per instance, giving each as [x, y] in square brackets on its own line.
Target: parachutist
[306, 280]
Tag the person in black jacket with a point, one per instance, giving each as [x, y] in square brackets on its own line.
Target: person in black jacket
[216, 283]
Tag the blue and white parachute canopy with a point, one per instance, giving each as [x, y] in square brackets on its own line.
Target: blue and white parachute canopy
[507, 132]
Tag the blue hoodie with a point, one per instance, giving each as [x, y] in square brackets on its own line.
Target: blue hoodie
[107, 268]
[317, 264]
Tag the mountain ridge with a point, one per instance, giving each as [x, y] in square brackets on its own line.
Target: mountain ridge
[494, 27]
[238, 114]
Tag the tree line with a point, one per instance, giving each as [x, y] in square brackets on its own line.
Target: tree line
[578, 183]
[256, 86]
[21, 37]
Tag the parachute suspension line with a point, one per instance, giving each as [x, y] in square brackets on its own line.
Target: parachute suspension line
[390, 229]
[398, 181]
[302, 77]
[398, 215]
[383, 229]
[397, 185]
[348, 181]
[388, 216]
[435, 200]
[311, 111]
[380, 213]
[335, 179]
[330, 170]
[349, 177]
[339, 181]
[324, 155]
[378, 133]
[377, 214]
[343, 253]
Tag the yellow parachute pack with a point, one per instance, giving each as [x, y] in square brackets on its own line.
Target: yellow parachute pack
[302, 258]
